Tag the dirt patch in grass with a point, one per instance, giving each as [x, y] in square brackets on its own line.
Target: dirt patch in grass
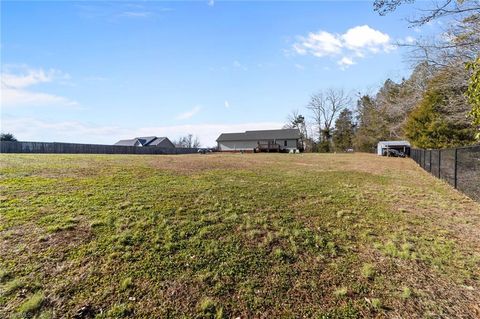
[453, 211]
[22, 245]
[428, 293]
[188, 164]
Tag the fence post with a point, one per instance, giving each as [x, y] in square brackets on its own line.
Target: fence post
[424, 152]
[439, 162]
[430, 169]
[455, 171]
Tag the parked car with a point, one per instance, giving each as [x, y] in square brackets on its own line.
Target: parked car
[393, 153]
[204, 150]
[402, 154]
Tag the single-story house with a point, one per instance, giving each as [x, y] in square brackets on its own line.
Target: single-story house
[260, 141]
[163, 142]
[402, 146]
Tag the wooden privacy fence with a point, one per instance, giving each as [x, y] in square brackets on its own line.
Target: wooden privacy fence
[460, 167]
[73, 148]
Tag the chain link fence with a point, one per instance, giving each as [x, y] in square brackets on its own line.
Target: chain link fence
[460, 167]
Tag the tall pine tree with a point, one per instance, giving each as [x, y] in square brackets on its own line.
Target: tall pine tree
[344, 131]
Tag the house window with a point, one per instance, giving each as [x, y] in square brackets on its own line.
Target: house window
[284, 143]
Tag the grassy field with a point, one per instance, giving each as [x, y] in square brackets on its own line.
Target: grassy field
[234, 235]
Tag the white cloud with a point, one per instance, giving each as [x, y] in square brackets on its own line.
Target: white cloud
[318, 44]
[189, 114]
[365, 38]
[17, 80]
[15, 97]
[345, 62]
[355, 42]
[30, 129]
[227, 104]
[27, 76]
[211, 3]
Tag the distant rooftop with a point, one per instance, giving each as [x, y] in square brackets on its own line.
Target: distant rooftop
[390, 143]
[282, 134]
[142, 141]
[131, 142]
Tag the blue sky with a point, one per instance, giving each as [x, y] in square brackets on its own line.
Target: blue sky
[96, 72]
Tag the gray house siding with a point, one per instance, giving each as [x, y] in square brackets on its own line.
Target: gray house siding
[237, 145]
[250, 145]
[266, 140]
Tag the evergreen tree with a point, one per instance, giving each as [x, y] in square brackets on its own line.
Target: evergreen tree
[437, 122]
[372, 126]
[297, 120]
[473, 94]
[7, 137]
[344, 131]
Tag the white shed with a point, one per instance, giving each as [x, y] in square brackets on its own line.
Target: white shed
[403, 146]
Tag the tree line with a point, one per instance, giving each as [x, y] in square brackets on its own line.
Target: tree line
[437, 106]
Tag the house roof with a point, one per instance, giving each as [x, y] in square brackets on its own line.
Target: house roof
[143, 141]
[159, 140]
[131, 142]
[394, 143]
[286, 134]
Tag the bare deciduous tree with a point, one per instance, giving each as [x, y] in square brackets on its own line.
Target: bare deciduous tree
[188, 141]
[325, 106]
[459, 40]
[439, 9]
[396, 100]
[458, 43]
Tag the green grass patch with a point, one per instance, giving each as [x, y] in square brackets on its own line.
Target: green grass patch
[368, 271]
[406, 293]
[229, 235]
[12, 286]
[376, 303]
[32, 304]
[4, 275]
[126, 284]
[340, 292]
